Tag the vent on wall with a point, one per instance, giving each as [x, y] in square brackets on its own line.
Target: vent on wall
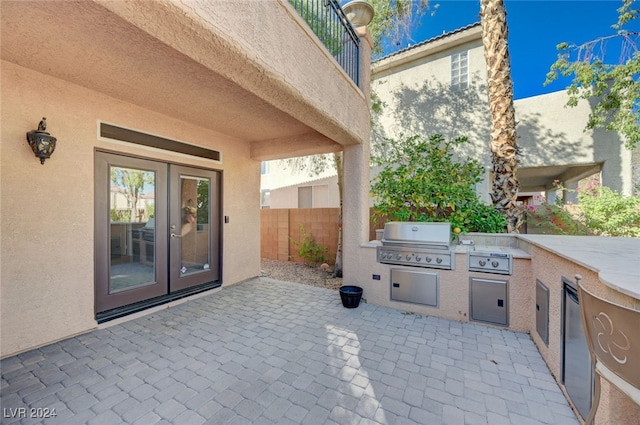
[125, 135]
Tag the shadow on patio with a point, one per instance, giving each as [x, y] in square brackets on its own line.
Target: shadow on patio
[271, 352]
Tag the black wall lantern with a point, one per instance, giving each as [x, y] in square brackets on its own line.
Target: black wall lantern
[42, 144]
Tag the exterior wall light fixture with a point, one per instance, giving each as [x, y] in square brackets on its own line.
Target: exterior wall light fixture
[359, 12]
[42, 143]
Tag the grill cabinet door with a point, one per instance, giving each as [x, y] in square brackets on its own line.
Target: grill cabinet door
[488, 300]
[542, 311]
[417, 287]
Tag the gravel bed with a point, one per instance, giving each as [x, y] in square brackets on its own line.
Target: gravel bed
[290, 271]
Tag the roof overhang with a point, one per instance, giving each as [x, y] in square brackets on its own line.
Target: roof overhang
[539, 179]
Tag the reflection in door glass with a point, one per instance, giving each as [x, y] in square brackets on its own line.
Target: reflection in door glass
[194, 252]
[132, 210]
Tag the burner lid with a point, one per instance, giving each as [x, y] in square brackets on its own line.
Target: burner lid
[411, 232]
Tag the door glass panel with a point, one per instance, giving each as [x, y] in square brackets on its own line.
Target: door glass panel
[195, 228]
[133, 233]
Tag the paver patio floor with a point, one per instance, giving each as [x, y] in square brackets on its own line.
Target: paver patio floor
[270, 352]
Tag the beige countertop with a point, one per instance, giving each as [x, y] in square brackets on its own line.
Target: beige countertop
[616, 260]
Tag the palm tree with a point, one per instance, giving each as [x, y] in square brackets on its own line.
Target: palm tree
[504, 149]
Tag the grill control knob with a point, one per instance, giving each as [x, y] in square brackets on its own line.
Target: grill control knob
[494, 264]
[399, 257]
[428, 259]
[418, 258]
[408, 257]
[482, 263]
[438, 260]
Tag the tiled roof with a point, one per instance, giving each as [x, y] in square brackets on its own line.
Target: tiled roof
[431, 40]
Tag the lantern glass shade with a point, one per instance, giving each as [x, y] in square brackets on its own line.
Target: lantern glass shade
[42, 144]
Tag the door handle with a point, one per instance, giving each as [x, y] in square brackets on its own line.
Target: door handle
[173, 235]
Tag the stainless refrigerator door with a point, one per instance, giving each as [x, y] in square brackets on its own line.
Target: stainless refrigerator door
[577, 375]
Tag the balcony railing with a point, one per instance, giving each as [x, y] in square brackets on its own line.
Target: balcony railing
[327, 20]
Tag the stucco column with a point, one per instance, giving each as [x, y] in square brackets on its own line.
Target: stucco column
[571, 196]
[355, 215]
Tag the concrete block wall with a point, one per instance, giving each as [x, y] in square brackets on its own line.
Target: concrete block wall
[279, 228]
[274, 234]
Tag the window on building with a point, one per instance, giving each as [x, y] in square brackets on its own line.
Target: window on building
[264, 168]
[313, 196]
[265, 198]
[305, 197]
[459, 71]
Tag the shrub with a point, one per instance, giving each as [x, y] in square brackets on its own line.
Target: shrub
[609, 213]
[421, 181]
[308, 249]
[601, 211]
[557, 219]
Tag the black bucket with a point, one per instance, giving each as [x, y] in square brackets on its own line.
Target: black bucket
[350, 296]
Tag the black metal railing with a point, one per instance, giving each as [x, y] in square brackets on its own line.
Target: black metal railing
[327, 20]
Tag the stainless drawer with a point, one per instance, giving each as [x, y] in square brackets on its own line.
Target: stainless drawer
[419, 287]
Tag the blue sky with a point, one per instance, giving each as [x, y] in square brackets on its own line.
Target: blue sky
[535, 28]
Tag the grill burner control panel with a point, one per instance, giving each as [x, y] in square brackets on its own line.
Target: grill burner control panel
[490, 262]
[437, 259]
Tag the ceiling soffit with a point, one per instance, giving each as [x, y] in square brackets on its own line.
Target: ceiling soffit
[86, 44]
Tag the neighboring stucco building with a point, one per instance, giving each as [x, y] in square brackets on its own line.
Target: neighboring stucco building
[439, 86]
[189, 97]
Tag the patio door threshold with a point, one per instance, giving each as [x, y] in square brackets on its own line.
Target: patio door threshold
[119, 312]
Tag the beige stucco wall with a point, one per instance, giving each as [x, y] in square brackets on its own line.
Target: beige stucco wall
[550, 133]
[325, 194]
[615, 407]
[417, 97]
[47, 210]
[218, 65]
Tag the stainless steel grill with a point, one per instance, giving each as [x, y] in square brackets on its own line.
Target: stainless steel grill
[417, 244]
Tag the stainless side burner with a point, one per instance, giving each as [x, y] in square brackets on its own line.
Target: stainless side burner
[490, 262]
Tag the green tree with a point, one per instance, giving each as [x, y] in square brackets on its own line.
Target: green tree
[131, 183]
[421, 180]
[615, 88]
[202, 202]
[395, 19]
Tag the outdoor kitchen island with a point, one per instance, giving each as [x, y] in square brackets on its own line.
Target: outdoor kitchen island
[544, 269]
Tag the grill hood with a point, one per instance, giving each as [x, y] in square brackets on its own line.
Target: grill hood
[417, 233]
